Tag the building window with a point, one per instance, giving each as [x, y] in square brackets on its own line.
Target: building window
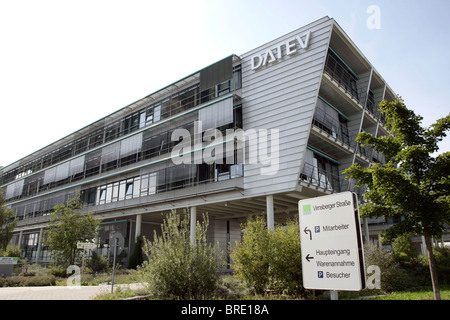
[129, 189]
[102, 196]
[237, 77]
[224, 88]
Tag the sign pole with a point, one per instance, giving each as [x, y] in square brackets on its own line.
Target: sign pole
[116, 244]
[82, 263]
[334, 295]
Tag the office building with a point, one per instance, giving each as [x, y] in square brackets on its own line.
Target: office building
[253, 133]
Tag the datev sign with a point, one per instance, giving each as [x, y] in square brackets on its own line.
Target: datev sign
[331, 243]
[290, 47]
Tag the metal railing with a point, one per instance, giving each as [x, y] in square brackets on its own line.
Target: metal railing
[373, 109]
[343, 76]
[320, 178]
[333, 127]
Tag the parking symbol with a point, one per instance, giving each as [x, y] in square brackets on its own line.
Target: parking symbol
[320, 274]
[317, 229]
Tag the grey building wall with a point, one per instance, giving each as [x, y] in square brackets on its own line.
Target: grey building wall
[282, 95]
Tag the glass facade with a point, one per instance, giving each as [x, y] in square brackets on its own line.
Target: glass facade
[136, 139]
[165, 108]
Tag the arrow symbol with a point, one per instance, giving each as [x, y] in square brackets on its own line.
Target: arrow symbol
[308, 257]
[306, 230]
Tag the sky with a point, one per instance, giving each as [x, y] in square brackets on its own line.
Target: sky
[65, 64]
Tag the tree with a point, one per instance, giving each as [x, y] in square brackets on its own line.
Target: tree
[67, 227]
[7, 223]
[414, 183]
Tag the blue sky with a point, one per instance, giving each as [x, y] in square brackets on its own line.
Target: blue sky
[66, 64]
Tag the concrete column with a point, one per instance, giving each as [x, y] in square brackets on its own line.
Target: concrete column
[270, 215]
[366, 230]
[38, 253]
[20, 239]
[138, 225]
[424, 246]
[193, 223]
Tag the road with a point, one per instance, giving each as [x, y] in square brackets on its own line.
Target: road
[58, 292]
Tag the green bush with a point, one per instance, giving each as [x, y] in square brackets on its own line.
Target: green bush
[11, 251]
[97, 263]
[393, 278]
[442, 257]
[285, 264]
[58, 272]
[230, 288]
[178, 270]
[251, 255]
[267, 259]
[136, 257]
[20, 281]
[403, 248]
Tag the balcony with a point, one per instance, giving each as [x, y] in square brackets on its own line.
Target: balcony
[372, 107]
[345, 78]
[331, 121]
[320, 178]
[320, 170]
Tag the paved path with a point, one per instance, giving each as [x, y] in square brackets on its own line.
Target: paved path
[58, 292]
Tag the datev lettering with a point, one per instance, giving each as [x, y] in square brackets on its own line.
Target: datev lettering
[276, 53]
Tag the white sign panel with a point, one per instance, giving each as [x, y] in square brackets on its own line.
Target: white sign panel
[9, 260]
[331, 243]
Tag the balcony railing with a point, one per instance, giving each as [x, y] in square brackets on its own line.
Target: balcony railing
[335, 128]
[320, 178]
[329, 181]
[373, 109]
[344, 77]
[371, 106]
[164, 180]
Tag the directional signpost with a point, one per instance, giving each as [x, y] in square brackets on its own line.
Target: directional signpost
[85, 246]
[7, 265]
[331, 243]
[117, 245]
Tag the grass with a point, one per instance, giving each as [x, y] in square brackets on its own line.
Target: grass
[419, 294]
[120, 294]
